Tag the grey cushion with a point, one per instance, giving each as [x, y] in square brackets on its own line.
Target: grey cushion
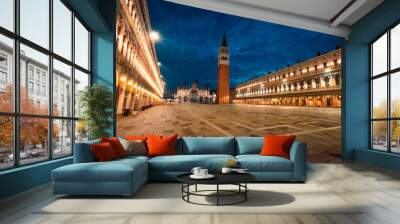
[134, 147]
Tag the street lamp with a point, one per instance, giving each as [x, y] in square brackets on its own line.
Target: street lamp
[155, 36]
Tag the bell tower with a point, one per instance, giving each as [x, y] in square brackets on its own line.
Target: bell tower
[223, 73]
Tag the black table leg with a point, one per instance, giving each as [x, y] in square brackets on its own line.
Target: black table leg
[245, 193]
[188, 190]
[217, 194]
[220, 193]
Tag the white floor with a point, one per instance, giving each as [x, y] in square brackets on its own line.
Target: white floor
[377, 190]
[262, 198]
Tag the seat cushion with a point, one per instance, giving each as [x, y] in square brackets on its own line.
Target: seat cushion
[249, 145]
[257, 163]
[208, 145]
[132, 160]
[134, 157]
[111, 171]
[185, 163]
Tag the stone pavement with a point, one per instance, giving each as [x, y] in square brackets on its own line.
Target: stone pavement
[318, 127]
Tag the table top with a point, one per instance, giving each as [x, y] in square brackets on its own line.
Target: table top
[220, 178]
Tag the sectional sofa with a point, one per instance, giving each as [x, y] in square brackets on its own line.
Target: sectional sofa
[125, 176]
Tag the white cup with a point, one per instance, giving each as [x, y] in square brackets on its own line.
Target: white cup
[196, 171]
[226, 170]
[203, 172]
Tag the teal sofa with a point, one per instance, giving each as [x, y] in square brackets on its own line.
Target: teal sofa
[125, 176]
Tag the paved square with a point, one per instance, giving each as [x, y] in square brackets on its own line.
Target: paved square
[318, 127]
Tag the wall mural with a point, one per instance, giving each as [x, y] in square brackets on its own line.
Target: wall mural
[195, 72]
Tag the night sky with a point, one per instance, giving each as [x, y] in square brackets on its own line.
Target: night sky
[191, 37]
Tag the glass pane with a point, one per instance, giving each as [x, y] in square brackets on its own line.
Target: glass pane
[35, 21]
[6, 74]
[395, 47]
[33, 139]
[7, 14]
[62, 89]
[6, 142]
[62, 138]
[62, 29]
[81, 131]
[379, 135]
[81, 45]
[34, 92]
[395, 94]
[379, 55]
[81, 81]
[379, 97]
[395, 136]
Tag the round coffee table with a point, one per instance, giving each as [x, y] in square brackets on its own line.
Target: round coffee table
[238, 179]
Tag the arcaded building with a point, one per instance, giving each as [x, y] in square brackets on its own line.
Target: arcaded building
[138, 79]
[315, 83]
[194, 94]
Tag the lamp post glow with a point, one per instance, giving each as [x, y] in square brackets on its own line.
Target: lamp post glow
[155, 36]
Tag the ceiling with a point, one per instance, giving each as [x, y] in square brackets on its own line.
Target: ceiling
[326, 16]
[320, 9]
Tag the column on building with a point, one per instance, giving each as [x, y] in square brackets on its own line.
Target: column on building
[132, 108]
[136, 58]
[128, 100]
[121, 94]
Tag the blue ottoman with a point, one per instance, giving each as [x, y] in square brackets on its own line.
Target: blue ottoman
[119, 177]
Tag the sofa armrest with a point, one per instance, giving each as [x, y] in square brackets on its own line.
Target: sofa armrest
[83, 152]
[298, 155]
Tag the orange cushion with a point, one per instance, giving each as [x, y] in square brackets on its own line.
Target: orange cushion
[103, 152]
[161, 145]
[116, 145]
[135, 137]
[277, 145]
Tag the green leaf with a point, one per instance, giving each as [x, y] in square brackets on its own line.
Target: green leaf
[96, 102]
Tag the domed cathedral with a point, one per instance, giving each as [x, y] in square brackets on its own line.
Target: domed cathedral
[193, 94]
[223, 73]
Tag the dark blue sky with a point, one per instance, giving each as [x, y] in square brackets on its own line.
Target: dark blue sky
[191, 38]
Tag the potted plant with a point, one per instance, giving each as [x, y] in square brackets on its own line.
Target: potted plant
[96, 103]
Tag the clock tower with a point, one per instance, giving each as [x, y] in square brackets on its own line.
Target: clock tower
[223, 73]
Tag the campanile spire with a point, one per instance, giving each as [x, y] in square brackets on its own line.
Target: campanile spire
[223, 72]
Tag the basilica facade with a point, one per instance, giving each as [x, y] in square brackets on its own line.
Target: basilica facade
[194, 94]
